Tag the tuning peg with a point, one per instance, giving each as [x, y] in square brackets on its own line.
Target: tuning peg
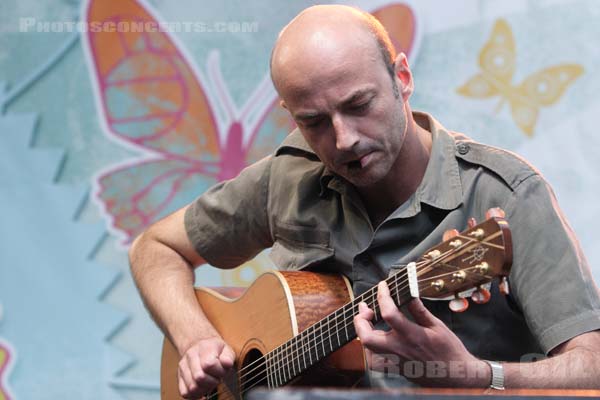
[481, 295]
[504, 287]
[458, 304]
[494, 212]
[449, 234]
[471, 222]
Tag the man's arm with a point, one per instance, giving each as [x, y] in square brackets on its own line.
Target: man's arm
[573, 364]
[162, 263]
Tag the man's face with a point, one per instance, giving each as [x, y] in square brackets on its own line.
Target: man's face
[350, 113]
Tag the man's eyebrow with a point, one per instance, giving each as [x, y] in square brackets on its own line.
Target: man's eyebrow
[353, 97]
[358, 95]
[307, 115]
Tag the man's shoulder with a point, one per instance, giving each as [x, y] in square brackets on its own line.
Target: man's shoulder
[294, 144]
[294, 162]
[510, 167]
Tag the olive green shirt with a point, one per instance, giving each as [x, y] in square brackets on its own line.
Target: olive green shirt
[315, 220]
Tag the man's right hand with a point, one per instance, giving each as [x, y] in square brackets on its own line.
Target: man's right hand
[203, 365]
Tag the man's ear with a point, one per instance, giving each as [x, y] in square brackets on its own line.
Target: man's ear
[403, 75]
[282, 104]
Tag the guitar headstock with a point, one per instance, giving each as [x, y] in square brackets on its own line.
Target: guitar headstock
[467, 260]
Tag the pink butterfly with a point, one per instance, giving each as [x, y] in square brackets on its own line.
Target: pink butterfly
[151, 98]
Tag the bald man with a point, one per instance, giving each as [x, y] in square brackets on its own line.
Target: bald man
[364, 184]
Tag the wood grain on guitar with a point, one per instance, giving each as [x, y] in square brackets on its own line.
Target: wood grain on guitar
[297, 327]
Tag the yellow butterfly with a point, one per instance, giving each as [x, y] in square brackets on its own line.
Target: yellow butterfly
[497, 61]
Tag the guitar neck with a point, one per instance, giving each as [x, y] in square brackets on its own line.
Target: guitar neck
[326, 336]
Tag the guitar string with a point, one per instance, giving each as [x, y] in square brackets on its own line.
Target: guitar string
[293, 357]
[422, 265]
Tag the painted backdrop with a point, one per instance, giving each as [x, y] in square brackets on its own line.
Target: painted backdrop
[115, 112]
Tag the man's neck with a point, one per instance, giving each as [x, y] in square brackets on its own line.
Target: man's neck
[405, 177]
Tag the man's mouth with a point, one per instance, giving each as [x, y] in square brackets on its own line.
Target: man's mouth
[354, 164]
[360, 162]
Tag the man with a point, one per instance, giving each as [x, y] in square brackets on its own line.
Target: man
[365, 184]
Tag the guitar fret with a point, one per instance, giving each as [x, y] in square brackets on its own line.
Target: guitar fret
[337, 329]
[301, 354]
[281, 366]
[284, 365]
[282, 369]
[269, 369]
[305, 349]
[345, 308]
[329, 333]
[277, 367]
[322, 337]
[315, 344]
[296, 358]
[290, 360]
[276, 376]
[309, 347]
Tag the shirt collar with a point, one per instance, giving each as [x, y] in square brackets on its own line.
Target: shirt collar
[441, 185]
[293, 143]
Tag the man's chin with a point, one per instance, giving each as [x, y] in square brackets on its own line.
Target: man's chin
[363, 179]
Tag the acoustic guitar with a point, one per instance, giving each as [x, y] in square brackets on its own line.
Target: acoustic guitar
[297, 327]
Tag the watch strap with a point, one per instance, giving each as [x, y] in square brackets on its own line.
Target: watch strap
[497, 375]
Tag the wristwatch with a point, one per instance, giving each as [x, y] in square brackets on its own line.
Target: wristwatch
[497, 375]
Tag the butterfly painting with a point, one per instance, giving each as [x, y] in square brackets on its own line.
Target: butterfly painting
[497, 60]
[5, 364]
[151, 98]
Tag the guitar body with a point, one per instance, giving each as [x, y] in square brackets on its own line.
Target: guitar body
[274, 309]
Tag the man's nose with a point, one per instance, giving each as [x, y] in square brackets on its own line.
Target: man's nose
[345, 136]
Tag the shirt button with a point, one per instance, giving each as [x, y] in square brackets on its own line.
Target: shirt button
[463, 148]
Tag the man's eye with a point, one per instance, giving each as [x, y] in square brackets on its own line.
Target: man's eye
[312, 123]
[360, 106]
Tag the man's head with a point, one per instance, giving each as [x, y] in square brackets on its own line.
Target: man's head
[369, 23]
[333, 68]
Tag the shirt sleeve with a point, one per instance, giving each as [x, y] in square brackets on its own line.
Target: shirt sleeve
[550, 277]
[228, 224]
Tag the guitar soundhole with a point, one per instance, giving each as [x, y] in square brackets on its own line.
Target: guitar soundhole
[255, 373]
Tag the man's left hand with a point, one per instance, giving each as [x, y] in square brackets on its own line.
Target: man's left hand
[437, 356]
